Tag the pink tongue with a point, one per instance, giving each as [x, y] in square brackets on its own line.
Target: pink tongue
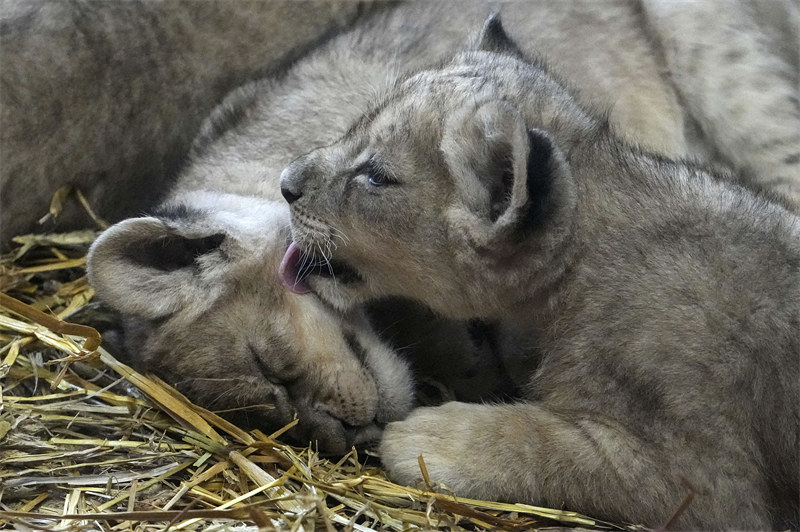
[290, 270]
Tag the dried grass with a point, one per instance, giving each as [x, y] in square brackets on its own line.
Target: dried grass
[87, 443]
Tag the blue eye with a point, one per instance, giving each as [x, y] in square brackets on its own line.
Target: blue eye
[378, 180]
[376, 175]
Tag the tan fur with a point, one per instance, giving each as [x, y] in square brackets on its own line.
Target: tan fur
[108, 96]
[656, 304]
[737, 66]
[222, 327]
[603, 50]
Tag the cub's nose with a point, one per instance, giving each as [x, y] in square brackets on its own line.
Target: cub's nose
[289, 195]
[292, 179]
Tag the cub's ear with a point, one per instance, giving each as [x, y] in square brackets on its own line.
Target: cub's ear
[150, 267]
[493, 38]
[504, 171]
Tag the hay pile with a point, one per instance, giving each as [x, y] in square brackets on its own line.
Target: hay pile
[86, 443]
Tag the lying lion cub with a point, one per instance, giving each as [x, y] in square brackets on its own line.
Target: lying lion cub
[206, 310]
[665, 302]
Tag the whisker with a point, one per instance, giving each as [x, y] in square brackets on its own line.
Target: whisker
[223, 396]
[327, 262]
[305, 266]
[319, 246]
[338, 233]
[206, 379]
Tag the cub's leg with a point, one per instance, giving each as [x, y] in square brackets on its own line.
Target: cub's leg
[736, 67]
[527, 453]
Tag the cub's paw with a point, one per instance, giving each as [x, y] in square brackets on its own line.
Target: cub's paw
[454, 440]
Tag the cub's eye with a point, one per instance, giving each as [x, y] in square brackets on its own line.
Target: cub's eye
[376, 175]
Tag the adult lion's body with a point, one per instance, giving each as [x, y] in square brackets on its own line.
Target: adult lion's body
[107, 96]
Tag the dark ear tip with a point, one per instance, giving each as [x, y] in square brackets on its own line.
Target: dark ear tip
[493, 32]
[493, 22]
[494, 38]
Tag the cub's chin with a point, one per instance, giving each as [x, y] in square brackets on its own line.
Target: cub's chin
[335, 281]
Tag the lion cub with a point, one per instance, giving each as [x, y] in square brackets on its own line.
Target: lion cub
[197, 283]
[662, 302]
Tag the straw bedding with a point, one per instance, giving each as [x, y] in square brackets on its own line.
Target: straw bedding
[86, 443]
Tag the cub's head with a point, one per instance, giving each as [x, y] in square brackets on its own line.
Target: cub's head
[453, 190]
[198, 285]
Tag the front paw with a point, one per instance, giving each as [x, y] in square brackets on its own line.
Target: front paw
[453, 442]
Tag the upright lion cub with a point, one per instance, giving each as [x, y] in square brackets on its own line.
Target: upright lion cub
[663, 303]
